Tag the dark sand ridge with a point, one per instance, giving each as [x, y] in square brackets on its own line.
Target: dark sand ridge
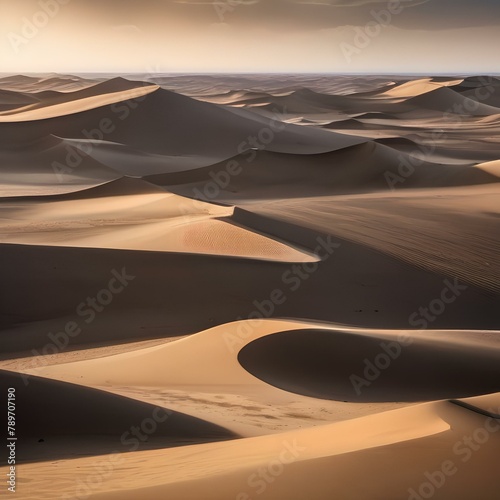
[46, 167]
[11, 100]
[205, 86]
[319, 100]
[57, 420]
[447, 100]
[479, 81]
[427, 105]
[438, 142]
[239, 97]
[321, 364]
[493, 99]
[164, 122]
[136, 163]
[53, 81]
[360, 168]
[451, 150]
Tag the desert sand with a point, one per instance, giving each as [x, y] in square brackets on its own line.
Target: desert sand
[231, 288]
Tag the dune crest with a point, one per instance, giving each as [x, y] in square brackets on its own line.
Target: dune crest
[52, 105]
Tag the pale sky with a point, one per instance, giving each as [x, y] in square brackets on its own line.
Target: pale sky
[323, 36]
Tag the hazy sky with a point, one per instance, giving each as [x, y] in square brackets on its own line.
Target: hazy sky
[148, 36]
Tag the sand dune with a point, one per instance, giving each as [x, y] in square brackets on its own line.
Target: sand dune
[52, 81]
[11, 100]
[237, 98]
[360, 168]
[47, 167]
[83, 421]
[443, 219]
[320, 364]
[475, 82]
[412, 88]
[226, 470]
[492, 167]
[487, 404]
[370, 288]
[447, 100]
[53, 104]
[197, 129]
[135, 215]
[227, 395]
[135, 163]
[411, 99]
[300, 272]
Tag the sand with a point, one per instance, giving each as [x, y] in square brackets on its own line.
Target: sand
[229, 288]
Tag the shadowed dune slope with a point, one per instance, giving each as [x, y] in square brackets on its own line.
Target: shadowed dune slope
[11, 100]
[362, 168]
[343, 366]
[164, 122]
[50, 412]
[48, 166]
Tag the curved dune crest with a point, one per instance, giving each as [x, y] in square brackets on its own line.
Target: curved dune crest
[413, 88]
[491, 167]
[316, 360]
[132, 214]
[176, 363]
[449, 101]
[53, 104]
